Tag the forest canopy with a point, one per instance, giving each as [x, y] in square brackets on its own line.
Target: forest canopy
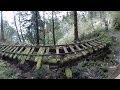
[54, 27]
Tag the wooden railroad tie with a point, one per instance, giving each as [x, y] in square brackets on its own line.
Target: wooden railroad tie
[50, 54]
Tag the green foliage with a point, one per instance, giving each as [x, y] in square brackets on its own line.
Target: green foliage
[116, 20]
[9, 33]
[42, 72]
[106, 38]
[90, 69]
[93, 34]
[6, 72]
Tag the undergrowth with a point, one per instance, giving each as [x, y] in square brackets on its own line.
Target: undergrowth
[6, 72]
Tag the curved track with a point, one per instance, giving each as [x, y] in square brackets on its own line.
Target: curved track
[53, 55]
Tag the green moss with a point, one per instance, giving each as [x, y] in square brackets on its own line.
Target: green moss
[52, 61]
[38, 59]
[23, 58]
[68, 73]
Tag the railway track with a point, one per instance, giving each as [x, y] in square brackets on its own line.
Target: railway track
[55, 56]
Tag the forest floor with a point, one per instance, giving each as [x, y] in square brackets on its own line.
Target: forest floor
[101, 68]
[115, 55]
[9, 71]
[116, 45]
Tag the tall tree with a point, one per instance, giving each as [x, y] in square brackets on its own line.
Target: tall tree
[53, 27]
[44, 27]
[75, 27]
[36, 26]
[16, 27]
[91, 15]
[19, 19]
[2, 31]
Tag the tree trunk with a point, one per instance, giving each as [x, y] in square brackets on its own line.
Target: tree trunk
[101, 18]
[75, 27]
[21, 30]
[106, 24]
[44, 26]
[92, 24]
[36, 26]
[84, 18]
[16, 28]
[67, 13]
[2, 31]
[48, 38]
[53, 28]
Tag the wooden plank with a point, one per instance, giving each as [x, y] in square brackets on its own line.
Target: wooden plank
[97, 45]
[45, 58]
[40, 51]
[57, 50]
[93, 43]
[26, 51]
[84, 52]
[100, 46]
[57, 56]
[88, 45]
[100, 43]
[65, 49]
[72, 49]
[94, 46]
[23, 57]
[70, 57]
[28, 57]
[5, 50]
[2, 48]
[18, 53]
[84, 46]
[78, 47]
[10, 56]
[47, 50]
[38, 59]
[10, 51]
